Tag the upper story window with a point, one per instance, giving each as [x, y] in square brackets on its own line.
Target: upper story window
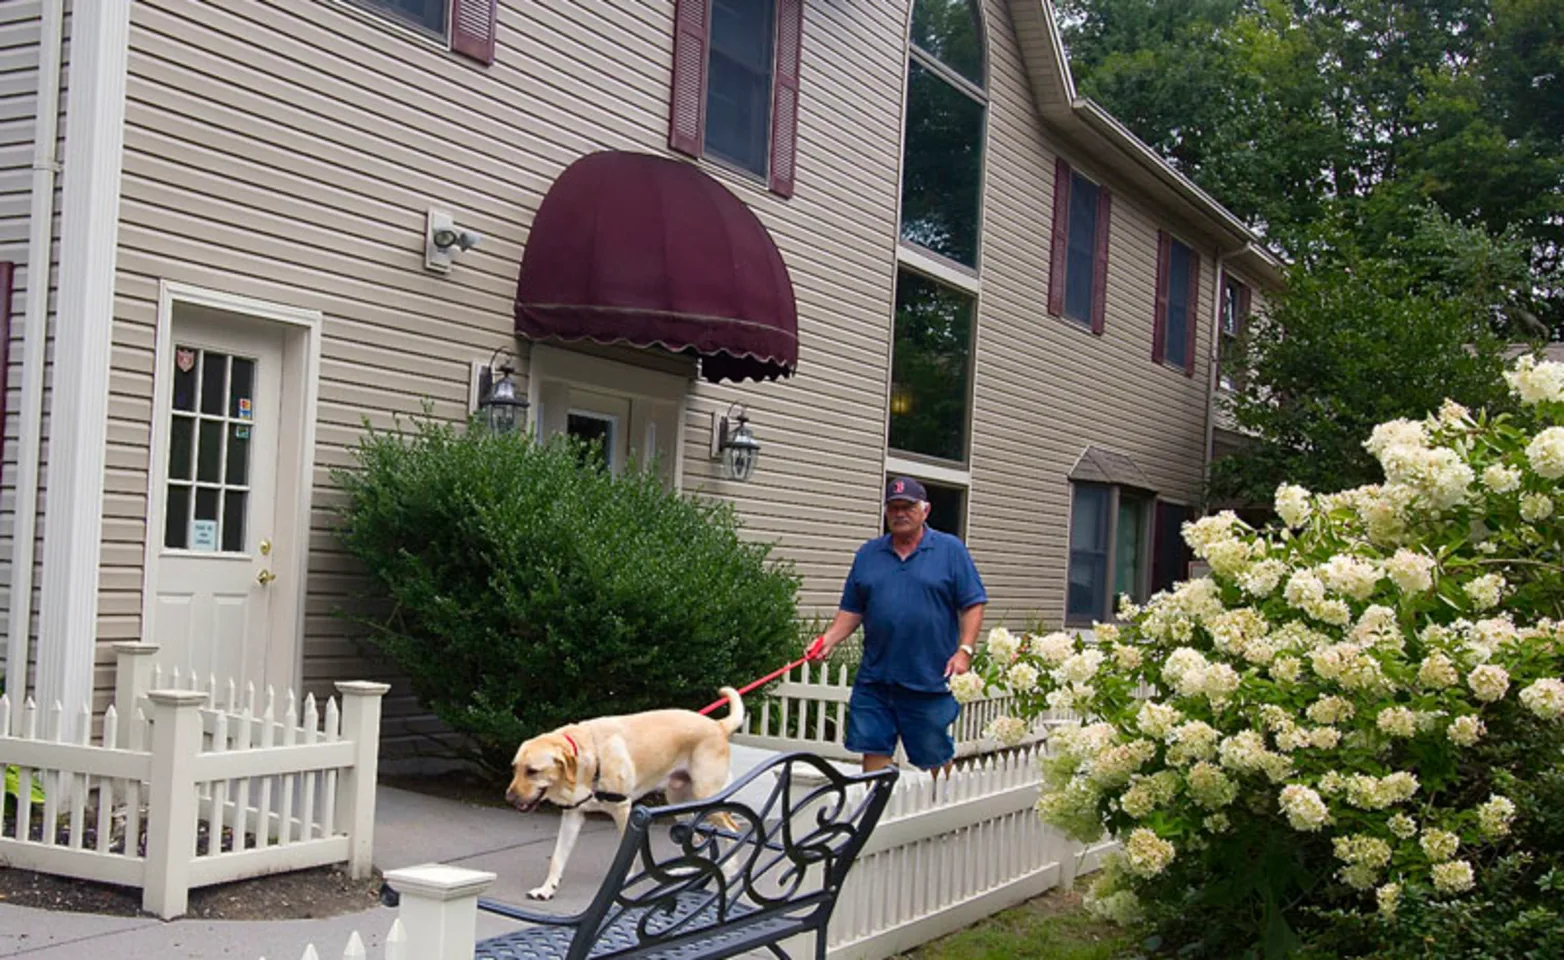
[735, 85]
[1235, 313]
[1078, 271]
[467, 24]
[1178, 294]
[931, 368]
[942, 160]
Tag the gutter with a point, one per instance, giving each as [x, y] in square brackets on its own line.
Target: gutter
[40, 243]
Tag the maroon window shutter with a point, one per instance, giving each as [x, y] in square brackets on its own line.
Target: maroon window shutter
[1061, 237]
[1100, 264]
[7, 275]
[1193, 313]
[472, 29]
[687, 106]
[784, 110]
[1159, 324]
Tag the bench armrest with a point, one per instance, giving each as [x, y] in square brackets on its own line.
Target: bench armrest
[528, 916]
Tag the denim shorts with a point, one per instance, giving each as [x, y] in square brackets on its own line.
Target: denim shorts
[880, 713]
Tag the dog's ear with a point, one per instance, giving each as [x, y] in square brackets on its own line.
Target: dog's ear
[568, 760]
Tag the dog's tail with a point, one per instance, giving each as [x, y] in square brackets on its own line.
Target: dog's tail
[735, 718]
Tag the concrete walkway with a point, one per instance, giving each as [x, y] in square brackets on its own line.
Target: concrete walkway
[410, 829]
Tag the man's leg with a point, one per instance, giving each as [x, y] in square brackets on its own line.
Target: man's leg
[871, 726]
[925, 719]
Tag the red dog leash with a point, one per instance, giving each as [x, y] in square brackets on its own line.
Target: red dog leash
[811, 654]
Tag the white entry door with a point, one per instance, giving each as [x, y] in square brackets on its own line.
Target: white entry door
[222, 401]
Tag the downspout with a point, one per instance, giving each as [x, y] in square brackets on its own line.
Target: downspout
[1213, 379]
[40, 243]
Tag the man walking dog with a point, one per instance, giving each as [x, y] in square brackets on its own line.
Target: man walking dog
[919, 598]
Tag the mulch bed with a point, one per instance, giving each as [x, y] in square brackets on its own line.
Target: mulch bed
[300, 895]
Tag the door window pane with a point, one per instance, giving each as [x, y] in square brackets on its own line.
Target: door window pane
[1129, 551]
[950, 32]
[181, 445]
[597, 432]
[241, 389]
[214, 382]
[1081, 256]
[176, 517]
[930, 368]
[738, 82]
[238, 472]
[1088, 579]
[1177, 342]
[233, 520]
[942, 170]
[185, 360]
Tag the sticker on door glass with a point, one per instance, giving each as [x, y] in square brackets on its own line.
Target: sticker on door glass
[185, 359]
[203, 535]
[241, 432]
[246, 411]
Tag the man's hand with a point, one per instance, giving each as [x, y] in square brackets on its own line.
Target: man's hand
[958, 663]
[817, 650]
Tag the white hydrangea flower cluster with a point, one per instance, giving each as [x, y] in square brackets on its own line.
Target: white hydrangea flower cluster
[1007, 731]
[1301, 683]
[1535, 382]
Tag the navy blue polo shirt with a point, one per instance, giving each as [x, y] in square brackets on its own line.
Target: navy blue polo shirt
[911, 608]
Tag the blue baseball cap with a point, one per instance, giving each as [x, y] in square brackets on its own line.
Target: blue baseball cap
[905, 488]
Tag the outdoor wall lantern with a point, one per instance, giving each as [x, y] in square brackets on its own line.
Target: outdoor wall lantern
[504, 412]
[735, 443]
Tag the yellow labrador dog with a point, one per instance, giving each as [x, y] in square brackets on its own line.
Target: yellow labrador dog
[610, 762]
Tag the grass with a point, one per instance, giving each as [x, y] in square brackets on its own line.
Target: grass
[1053, 926]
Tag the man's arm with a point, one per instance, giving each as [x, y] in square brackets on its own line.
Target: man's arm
[971, 623]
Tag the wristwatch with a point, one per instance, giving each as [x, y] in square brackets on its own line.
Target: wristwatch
[967, 649]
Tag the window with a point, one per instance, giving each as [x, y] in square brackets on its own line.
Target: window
[208, 483]
[735, 85]
[1078, 273]
[738, 85]
[427, 15]
[1109, 548]
[1178, 293]
[1235, 313]
[930, 368]
[942, 161]
[467, 24]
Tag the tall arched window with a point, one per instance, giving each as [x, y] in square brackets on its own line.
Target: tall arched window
[942, 162]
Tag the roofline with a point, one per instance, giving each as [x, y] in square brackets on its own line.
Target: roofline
[1248, 249]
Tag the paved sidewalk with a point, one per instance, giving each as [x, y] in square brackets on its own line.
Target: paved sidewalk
[410, 829]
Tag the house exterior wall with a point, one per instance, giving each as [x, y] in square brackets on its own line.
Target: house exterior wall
[287, 150]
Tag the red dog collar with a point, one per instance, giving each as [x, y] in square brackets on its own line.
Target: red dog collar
[573, 748]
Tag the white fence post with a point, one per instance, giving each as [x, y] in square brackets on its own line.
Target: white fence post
[356, 793]
[132, 678]
[439, 909]
[171, 815]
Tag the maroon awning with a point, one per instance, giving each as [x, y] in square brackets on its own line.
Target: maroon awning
[634, 248]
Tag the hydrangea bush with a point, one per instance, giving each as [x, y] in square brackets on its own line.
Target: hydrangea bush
[1337, 716]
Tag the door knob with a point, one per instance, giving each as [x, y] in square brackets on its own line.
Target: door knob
[266, 548]
[265, 577]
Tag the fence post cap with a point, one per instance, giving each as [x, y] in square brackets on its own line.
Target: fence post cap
[361, 688]
[177, 698]
[136, 647]
[437, 881]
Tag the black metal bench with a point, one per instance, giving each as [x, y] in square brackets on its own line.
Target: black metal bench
[690, 883]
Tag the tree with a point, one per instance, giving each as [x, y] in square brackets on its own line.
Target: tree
[1363, 339]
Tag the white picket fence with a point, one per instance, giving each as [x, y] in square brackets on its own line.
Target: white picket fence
[807, 710]
[939, 862]
[221, 785]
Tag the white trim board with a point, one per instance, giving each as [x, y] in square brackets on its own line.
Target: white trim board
[301, 365]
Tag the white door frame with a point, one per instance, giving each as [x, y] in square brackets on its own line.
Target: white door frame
[295, 455]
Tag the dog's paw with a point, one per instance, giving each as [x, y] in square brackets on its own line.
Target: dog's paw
[545, 892]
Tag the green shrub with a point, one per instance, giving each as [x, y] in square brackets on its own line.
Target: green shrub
[522, 587]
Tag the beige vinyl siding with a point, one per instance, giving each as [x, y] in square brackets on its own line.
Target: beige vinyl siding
[20, 30]
[1046, 387]
[288, 150]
